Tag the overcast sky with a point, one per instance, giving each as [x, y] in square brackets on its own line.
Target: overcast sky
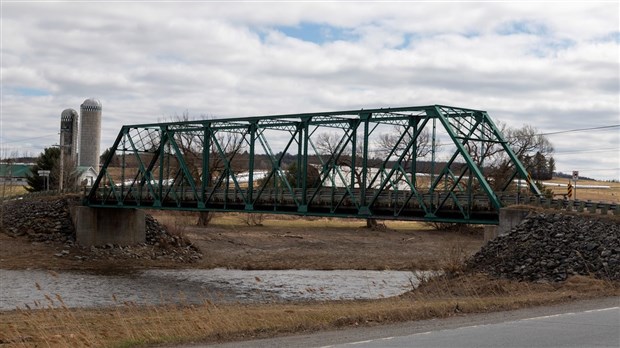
[553, 65]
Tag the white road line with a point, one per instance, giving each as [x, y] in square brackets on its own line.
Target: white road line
[548, 316]
[361, 342]
[601, 310]
[571, 313]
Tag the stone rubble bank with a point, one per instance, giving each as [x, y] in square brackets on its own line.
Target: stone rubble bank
[552, 247]
[48, 220]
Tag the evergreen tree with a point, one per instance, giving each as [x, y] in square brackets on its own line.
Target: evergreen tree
[114, 162]
[49, 159]
[551, 166]
[291, 174]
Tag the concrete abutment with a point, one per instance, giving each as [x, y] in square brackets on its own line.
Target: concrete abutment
[101, 226]
[509, 218]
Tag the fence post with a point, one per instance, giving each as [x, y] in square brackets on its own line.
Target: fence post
[592, 208]
[604, 209]
[581, 206]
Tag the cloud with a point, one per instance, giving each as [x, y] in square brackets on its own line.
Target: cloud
[555, 67]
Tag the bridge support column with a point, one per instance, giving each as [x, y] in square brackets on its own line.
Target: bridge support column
[101, 226]
[490, 232]
[509, 218]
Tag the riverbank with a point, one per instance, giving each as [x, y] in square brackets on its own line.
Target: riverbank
[131, 326]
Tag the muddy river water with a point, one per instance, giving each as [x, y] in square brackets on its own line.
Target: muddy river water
[42, 289]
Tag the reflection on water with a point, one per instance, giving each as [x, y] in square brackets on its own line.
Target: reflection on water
[22, 288]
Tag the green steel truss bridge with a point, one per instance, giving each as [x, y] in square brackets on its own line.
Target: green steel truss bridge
[406, 163]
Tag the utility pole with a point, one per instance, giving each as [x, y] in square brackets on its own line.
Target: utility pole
[62, 160]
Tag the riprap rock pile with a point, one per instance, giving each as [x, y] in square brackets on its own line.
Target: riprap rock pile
[48, 219]
[553, 246]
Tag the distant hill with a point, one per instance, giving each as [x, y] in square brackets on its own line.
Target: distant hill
[21, 160]
[569, 176]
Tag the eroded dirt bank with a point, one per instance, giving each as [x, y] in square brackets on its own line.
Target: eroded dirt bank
[39, 235]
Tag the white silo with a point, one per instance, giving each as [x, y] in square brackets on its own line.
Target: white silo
[90, 133]
[69, 134]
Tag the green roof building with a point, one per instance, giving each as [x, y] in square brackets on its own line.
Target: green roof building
[15, 173]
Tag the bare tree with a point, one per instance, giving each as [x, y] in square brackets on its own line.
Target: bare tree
[69, 173]
[327, 144]
[389, 143]
[531, 147]
[336, 152]
[223, 147]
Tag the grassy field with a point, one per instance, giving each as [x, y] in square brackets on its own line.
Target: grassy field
[234, 220]
[12, 190]
[611, 195]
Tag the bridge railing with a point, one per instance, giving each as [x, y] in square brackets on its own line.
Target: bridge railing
[603, 208]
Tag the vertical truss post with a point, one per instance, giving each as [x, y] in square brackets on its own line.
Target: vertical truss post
[433, 149]
[124, 164]
[353, 125]
[363, 209]
[162, 159]
[305, 132]
[249, 202]
[206, 173]
[413, 122]
[300, 143]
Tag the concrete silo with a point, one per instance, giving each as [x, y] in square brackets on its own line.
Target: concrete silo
[69, 135]
[90, 133]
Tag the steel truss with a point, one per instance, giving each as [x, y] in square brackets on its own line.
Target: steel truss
[337, 167]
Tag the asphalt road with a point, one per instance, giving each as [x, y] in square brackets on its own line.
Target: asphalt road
[592, 328]
[594, 323]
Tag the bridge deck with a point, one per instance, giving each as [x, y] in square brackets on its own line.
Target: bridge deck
[401, 205]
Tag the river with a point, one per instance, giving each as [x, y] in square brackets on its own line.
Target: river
[44, 289]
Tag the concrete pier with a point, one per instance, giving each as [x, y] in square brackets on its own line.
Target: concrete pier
[101, 226]
[509, 218]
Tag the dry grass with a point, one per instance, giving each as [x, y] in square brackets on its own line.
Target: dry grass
[238, 220]
[8, 191]
[171, 218]
[611, 195]
[453, 258]
[129, 325]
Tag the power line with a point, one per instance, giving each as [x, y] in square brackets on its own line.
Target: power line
[596, 169]
[581, 129]
[586, 151]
